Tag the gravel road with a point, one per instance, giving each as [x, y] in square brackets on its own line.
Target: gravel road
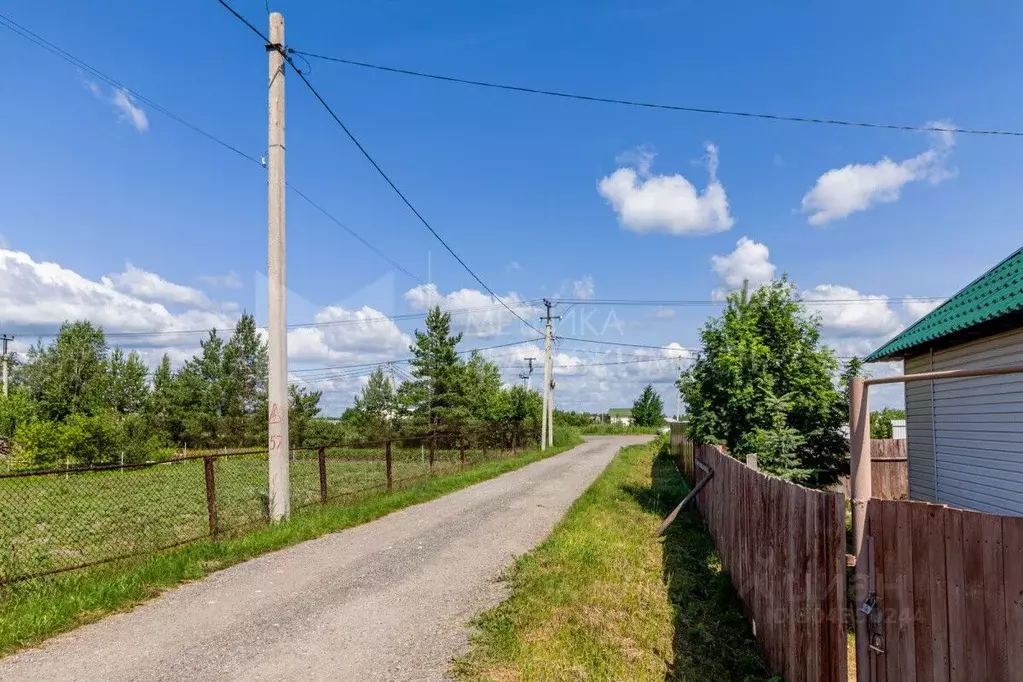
[388, 600]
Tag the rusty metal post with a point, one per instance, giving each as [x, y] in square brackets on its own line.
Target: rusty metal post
[321, 455]
[433, 451]
[461, 455]
[211, 495]
[859, 455]
[387, 458]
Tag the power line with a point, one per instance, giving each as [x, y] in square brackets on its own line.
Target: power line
[656, 105]
[401, 195]
[706, 302]
[36, 39]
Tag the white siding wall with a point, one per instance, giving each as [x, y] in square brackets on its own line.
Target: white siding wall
[977, 447]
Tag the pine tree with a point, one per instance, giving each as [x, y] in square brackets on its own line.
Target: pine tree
[433, 394]
[127, 391]
[375, 408]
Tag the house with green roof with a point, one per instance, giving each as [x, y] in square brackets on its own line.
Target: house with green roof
[964, 436]
[620, 415]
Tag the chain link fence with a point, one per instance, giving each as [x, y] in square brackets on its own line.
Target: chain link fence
[60, 520]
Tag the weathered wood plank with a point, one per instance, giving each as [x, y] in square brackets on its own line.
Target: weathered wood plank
[1012, 549]
[994, 598]
[975, 624]
[891, 599]
[904, 587]
[920, 573]
[955, 594]
[834, 521]
[811, 635]
[797, 653]
[937, 588]
[875, 522]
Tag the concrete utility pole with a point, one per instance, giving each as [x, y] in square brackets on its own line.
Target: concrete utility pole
[280, 486]
[3, 359]
[546, 375]
[547, 425]
[678, 394]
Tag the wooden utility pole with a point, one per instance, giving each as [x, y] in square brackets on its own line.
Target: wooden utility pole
[280, 493]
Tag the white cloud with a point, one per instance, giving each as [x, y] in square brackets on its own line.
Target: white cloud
[342, 335]
[514, 266]
[748, 262]
[473, 312]
[38, 296]
[130, 111]
[3, 242]
[149, 286]
[584, 288]
[124, 103]
[841, 192]
[229, 280]
[915, 308]
[662, 313]
[847, 313]
[666, 203]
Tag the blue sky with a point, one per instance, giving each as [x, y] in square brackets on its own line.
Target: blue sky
[512, 181]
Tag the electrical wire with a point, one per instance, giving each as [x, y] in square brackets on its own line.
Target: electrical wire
[706, 302]
[39, 41]
[286, 53]
[656, 105]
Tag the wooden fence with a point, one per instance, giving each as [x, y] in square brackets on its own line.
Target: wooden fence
[949, 591]
[889, 470]
[784, 547]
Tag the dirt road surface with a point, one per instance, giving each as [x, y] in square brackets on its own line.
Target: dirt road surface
[388, 600]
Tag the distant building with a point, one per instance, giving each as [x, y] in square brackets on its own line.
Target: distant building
[620, 415]
[964, 436]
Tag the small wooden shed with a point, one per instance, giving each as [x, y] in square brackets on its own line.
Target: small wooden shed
[965, 436]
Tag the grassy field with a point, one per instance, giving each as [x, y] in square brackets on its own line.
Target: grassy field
[602, 599]
[59, 521]
[37, 609]
[616, 430]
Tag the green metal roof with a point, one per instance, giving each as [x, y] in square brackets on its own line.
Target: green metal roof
[620, 412]
[996, 293]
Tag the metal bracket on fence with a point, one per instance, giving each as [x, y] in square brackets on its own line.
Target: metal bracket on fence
[692, 493]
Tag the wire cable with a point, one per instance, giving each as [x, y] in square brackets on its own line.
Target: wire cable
[656, 105]
[706, 302]
[39, 41]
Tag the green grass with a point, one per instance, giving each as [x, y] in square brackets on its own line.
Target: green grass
[59, 521]
[602, 599]
[36, 609]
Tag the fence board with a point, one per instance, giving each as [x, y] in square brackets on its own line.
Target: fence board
[784, 548]
[875, 522]
[956, 597]
[922, 624]
[973, 581]
[994, 597]
[890, 598]
[937, 589]
[1012, 547]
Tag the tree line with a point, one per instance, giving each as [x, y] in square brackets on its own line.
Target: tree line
[77, 401]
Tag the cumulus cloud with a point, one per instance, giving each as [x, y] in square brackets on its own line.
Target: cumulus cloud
[583, 288]
[229, 280]
[340, 334]
[915, 308]
[846, 313]
[125, 104]
[750, 261]
[150, 286]
[473, 312]
[666, 203]
[39, 296]
[841, 192]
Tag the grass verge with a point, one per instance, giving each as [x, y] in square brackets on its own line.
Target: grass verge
[602, 599]
[38, 609]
